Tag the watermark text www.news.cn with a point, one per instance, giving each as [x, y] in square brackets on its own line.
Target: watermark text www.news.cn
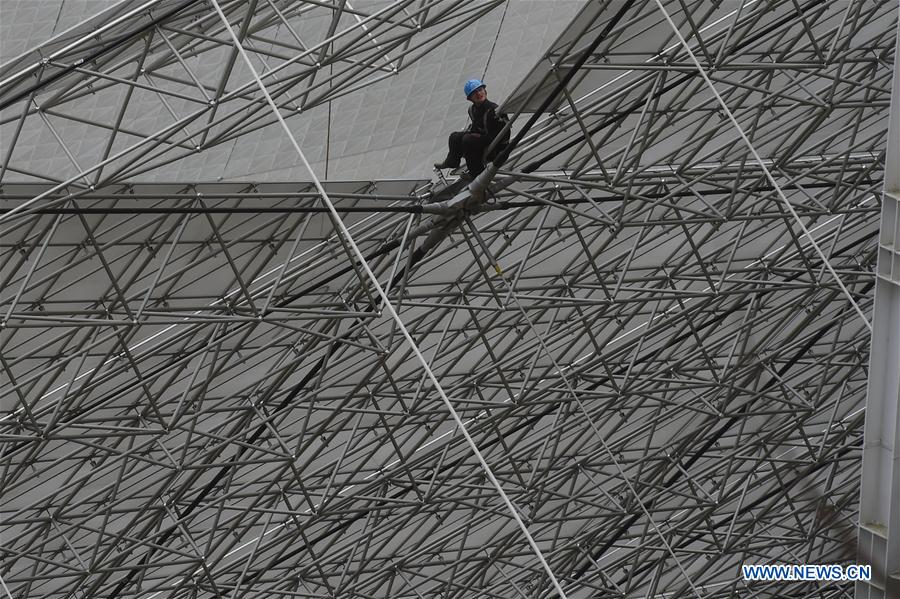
[806, 572]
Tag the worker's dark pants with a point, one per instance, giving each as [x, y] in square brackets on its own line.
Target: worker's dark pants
[469, 146]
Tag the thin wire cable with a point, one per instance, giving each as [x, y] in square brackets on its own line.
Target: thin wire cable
[487, 63]
[357, 254]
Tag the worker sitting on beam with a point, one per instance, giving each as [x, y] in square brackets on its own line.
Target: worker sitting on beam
[485, 124]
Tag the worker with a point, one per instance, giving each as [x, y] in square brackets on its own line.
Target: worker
[486, 122]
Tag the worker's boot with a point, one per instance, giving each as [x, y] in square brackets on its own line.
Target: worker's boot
[444, 164]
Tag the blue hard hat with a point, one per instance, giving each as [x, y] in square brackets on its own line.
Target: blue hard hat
[472, 85]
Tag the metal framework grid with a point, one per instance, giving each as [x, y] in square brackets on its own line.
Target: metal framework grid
[634, 364]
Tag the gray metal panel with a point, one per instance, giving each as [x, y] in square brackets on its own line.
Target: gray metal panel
[405, 118]
[166, 109]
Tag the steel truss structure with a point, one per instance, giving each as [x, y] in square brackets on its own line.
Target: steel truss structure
[633, 361]
[147, 84]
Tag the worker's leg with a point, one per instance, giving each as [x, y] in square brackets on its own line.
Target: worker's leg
[473, 147]
[455, 152]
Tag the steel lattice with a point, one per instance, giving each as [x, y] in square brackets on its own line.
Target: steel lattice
[204, 396]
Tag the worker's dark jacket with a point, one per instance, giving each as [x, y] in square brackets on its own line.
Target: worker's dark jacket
[488, 121]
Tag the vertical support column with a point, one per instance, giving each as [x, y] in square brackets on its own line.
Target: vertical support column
[879, 506]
